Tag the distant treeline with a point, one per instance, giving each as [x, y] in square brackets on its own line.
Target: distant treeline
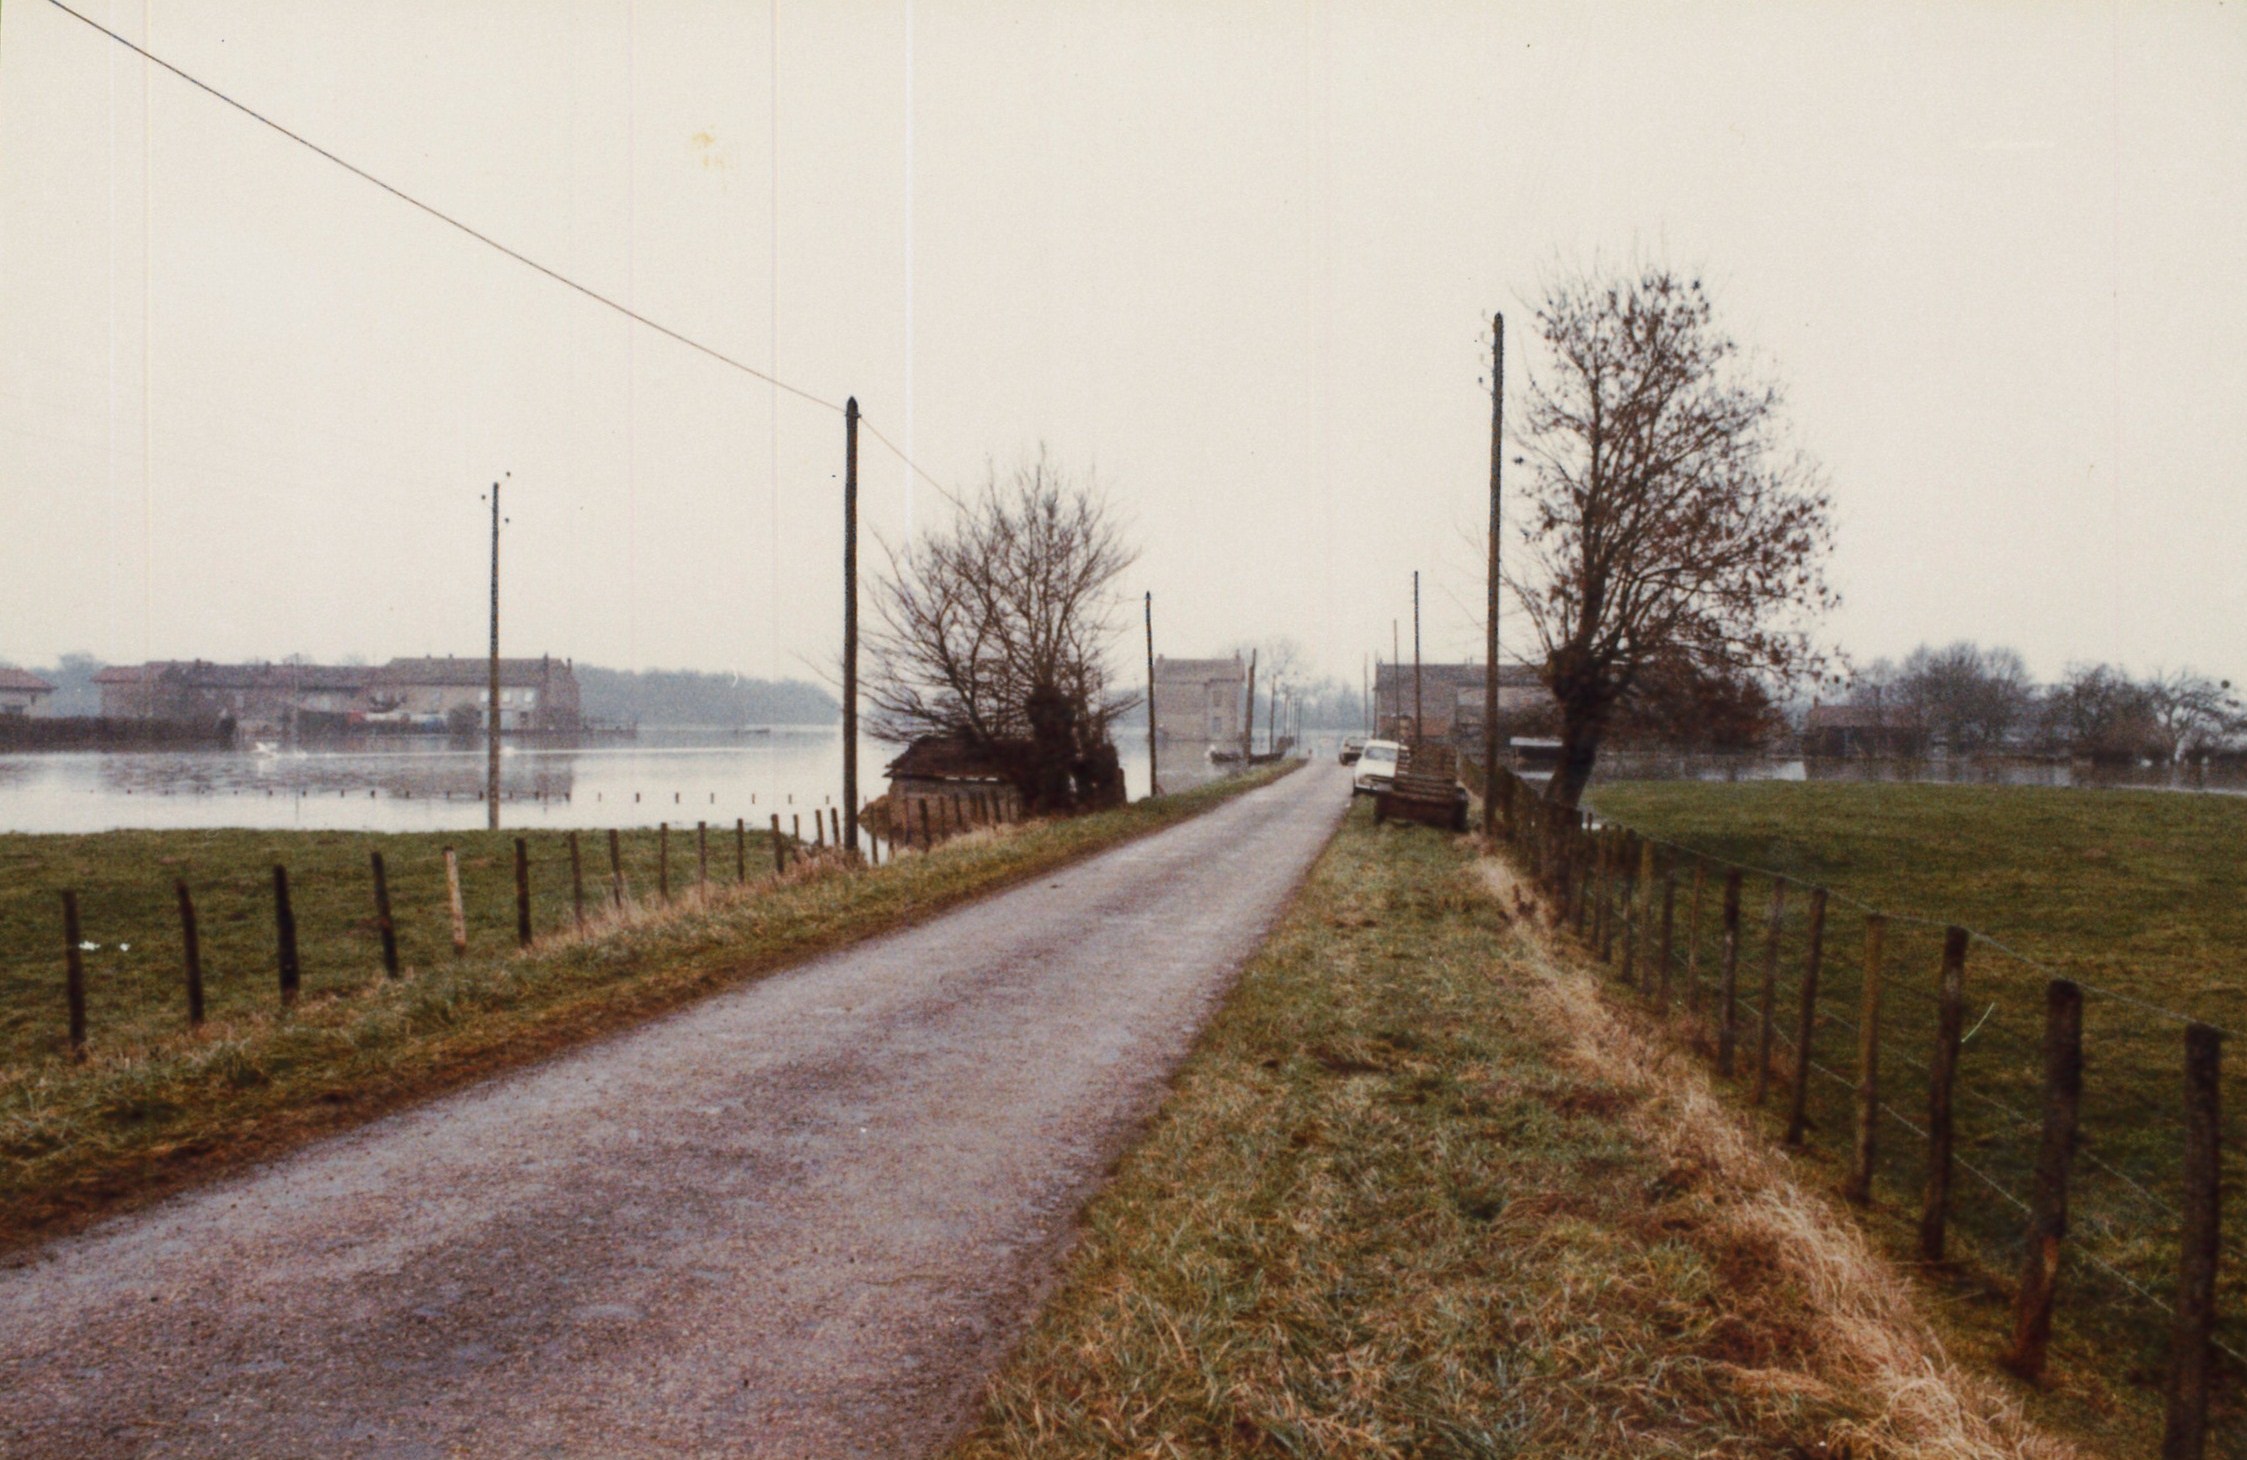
[690, 697]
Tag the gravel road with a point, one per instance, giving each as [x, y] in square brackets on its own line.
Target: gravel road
[804, 1218]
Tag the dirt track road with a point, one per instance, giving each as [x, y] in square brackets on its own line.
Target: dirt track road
[804, 1218]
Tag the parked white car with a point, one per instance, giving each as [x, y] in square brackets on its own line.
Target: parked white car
[1377, 767]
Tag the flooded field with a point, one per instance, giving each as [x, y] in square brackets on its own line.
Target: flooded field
[678, 776]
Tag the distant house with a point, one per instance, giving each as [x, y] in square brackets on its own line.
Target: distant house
[536, 695]
[1835, 731]
[1450, 697]
[21, 691]
[261, 699]
[1200, 699]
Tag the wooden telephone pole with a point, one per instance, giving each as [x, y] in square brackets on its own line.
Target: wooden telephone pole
[850, 624]
[1417, 721]
[1154, 778]
[1490, 635]
[491, 708]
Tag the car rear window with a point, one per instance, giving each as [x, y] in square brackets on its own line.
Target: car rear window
[1380, 752]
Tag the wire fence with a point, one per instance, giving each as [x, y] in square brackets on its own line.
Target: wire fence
[2065, 1141]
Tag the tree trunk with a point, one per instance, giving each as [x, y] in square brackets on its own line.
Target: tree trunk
[1584, 710]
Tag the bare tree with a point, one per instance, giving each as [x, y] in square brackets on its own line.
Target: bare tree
[1668, 524]
[1968, 697]
[996, 629]
[2191, 712]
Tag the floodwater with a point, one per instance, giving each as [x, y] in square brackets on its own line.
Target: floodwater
[679, 776]
[1974, 771]
[684, 776]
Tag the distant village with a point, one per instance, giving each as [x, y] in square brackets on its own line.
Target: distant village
[197, 700]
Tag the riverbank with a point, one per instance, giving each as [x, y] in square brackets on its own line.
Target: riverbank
[1420, 1190]
[156, 1106]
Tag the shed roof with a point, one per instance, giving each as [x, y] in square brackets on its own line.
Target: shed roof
[24, 682]
[948, 758]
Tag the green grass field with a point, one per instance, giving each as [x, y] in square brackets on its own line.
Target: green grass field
[156, 1104]
[2141, 896]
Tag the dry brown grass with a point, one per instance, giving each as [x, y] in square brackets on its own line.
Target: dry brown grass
[1420, 1192]
[1859, 1332]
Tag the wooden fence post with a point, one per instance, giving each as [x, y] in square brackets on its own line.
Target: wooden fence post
[616, 870]
[1950, 1020]
[740, 850]
[2191, 1355]
[1858, 1188]
[1728, 978]
[453, 900]
[818, 829]
[1806, 1022]
[702, 855]
[1603, 909]
[284, 928]
[835, 824]
[1693, 939]
[2048, 1208]
[1762, 1085]
[1633, 925]
[779, 848]
[577, 883]
[386, 928]
[927, 841]
[1669, 920]
[191, 947]
[522, 892]
[74, 975]
[1645, 916]
[663, 862]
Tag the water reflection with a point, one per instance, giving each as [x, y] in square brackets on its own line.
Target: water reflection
[1981, 771]
[676, 776]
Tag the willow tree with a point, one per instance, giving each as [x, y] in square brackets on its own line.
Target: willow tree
[1671, 529]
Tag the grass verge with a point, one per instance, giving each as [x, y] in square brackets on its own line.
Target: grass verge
[149, 1114]
[2141, 896]
[1419, 1192]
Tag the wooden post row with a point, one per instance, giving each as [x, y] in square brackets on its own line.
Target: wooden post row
[522, 892]
[1770, 990]
[2191, 1348]
[452, 897]
[1858, 1187]
[74, 975]
[2048, 1206]
[1806, 1022]
[386, 928]
[191, 949]
[284, 927]
[1950, 1019]
[1728, 977]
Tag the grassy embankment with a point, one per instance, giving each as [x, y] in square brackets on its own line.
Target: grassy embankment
[156, 1105]
[1420, 1191]
[2140, 893]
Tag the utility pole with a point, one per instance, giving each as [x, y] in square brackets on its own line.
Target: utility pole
[1248, 731]
[1418, 724]
[850, 625]
[1396, 680]
[1490, 634]
[491, 709]
[1154, 779]
[1365, 691]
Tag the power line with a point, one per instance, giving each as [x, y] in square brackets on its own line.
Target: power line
[517, 255]
[443, 217]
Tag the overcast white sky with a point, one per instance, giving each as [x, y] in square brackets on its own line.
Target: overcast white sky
[1239, 257]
